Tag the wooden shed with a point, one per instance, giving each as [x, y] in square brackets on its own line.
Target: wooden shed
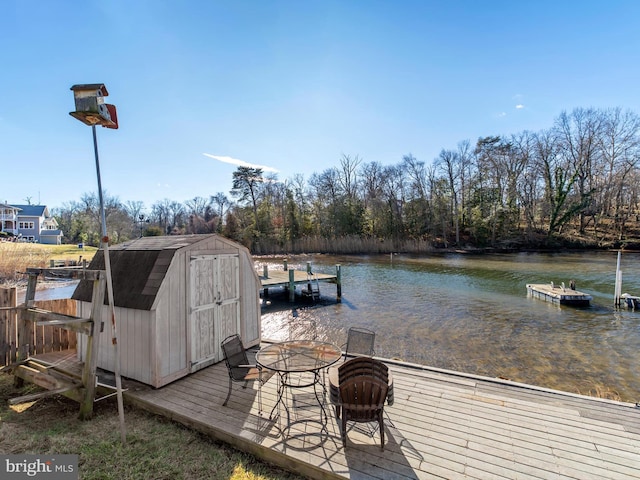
[176, 298]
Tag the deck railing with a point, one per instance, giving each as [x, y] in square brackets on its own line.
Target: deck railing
[44, 339]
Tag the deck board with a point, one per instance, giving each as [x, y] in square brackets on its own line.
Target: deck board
[442, 425]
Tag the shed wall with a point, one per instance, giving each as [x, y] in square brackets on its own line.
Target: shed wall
[251, 325]
[155, 344]
[171, 335]
[134, 342]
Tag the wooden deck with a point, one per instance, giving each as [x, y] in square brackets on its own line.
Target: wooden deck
[442, 425]
[280, 278]
[287, 278]
[558, 295]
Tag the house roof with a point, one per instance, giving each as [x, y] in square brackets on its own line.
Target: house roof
[4, 205]
[32, 210]
[138, 269]
[54, 233]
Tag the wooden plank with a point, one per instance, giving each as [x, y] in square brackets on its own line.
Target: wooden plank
[76, 272]
[53, 319]
[39, 378]
[36, 396]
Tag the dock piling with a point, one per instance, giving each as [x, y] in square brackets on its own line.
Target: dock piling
[292, 286]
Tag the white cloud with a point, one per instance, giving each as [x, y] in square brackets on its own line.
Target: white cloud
[502, 114]
[240, 163]
[519, 106]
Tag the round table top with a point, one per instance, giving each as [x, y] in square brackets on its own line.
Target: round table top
[298, 356]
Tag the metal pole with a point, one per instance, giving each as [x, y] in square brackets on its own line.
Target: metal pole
[104, 244]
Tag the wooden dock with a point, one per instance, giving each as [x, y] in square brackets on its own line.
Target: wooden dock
[290, 279]
[558, 294]
[631, 301]
[442, 425]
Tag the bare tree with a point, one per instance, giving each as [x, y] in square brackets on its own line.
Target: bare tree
[620, 148]
[449, 164]
[221, 203]
[349, 175]
[465, 171]
[560, 176]
[577, 134]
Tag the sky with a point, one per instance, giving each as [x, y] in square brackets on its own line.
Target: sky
[202, 86]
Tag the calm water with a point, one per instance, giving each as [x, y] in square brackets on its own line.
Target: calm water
[471, 313]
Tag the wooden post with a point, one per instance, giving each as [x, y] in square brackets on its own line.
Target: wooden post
[286, 264]
[30, 296]
[93, 342]
[339, 283]
[25, 345]
[265, 274]
[308, 267]
[292, 286]
[8, 321]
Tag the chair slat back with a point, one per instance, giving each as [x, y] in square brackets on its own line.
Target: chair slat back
[363, 366]
[363, 398]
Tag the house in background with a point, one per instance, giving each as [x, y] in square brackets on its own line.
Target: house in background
[31, 223]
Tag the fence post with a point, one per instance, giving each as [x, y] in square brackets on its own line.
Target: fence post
[8, 320]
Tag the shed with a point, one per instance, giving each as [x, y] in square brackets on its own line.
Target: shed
[176, 298]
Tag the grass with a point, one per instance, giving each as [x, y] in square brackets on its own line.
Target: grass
[16, 257]
[156, 448]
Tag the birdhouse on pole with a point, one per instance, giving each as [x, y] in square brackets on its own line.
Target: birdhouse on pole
[90, 107]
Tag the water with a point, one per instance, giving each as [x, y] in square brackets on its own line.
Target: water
[471, 313]
[53, 291]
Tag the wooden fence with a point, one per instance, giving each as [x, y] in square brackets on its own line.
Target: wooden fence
[44, 338]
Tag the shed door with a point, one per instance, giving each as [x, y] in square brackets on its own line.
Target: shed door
[215, 306]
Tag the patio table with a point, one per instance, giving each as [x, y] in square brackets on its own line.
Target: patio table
[298, 356]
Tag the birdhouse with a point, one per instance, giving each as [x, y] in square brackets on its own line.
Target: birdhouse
[90, 107]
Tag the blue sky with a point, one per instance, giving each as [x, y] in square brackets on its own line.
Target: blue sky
[289, 85]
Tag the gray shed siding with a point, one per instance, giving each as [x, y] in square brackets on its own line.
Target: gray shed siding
[155, 344]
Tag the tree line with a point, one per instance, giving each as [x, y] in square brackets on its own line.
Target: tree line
[578, 181]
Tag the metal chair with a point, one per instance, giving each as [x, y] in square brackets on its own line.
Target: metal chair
[362, 400]
[239, 368]
[360, 341]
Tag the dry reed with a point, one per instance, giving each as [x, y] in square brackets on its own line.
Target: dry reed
[343, 245]
[15, 258]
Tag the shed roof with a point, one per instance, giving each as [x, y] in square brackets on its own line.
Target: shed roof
[138, 268]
